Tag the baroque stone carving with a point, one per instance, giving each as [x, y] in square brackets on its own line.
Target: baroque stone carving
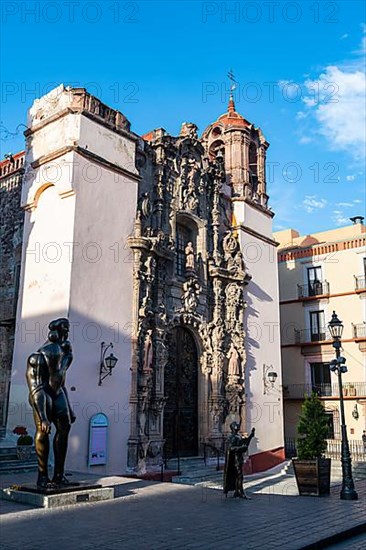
[190, 296]
[180, 186]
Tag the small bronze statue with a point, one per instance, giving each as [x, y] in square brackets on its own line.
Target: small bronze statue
[46, 372]
[237, 445]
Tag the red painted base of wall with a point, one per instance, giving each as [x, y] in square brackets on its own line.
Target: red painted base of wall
[264, 461]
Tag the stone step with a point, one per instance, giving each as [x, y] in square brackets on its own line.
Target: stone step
[194, 471]
[211, 478]
[18, 466]
[190, 464]
[8, 456]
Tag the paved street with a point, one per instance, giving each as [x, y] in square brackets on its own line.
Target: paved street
[151, 515]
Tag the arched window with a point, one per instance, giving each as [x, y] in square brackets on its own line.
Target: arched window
[215, 147]
[184, 236]
[253, 167]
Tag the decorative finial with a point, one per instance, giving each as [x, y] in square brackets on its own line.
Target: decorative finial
[233, 83]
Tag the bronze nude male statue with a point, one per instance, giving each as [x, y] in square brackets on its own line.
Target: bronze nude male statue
[236, 446]
[46, 372]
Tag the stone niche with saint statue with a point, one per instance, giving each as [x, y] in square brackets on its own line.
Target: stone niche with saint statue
[189, 301]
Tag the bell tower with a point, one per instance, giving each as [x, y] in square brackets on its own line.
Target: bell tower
[244, 148]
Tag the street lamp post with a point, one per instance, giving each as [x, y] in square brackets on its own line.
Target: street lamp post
[338, 366]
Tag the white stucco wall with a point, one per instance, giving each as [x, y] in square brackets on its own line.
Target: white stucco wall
[262, 325]
[44, 290]
[86, 275]
[101, 308]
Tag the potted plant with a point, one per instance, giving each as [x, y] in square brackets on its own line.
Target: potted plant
[24, 443]
[312, 470]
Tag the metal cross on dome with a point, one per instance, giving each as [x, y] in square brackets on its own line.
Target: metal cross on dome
[233, 82]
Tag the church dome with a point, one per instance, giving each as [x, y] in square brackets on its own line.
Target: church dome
[228, 120]
[232, 117]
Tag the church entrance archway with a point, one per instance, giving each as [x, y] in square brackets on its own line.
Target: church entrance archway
[181, 392]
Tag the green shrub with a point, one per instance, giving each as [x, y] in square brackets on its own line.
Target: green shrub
[313, 427]
[25, 440]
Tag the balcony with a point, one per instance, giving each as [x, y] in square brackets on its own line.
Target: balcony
[300, 391]
[360, 283]
[359, 331]
[307, 336]
[312, 290]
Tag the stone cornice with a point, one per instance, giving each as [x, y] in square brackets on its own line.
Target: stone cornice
[74, 111]
[86, 154]
[259, 207]
[222, 273]
[322, 248]
[253, 233]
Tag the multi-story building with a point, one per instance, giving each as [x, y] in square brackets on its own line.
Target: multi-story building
[319, 274]
[151, 243]
[11, 230]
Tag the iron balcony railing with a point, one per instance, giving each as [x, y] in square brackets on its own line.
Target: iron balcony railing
[334, 449]
[356, 447]
[359, 331]
[316, 288]
[300, 391]
[304, 336]
[360, 282]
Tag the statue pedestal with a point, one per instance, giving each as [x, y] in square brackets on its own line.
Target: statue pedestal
[55, 498]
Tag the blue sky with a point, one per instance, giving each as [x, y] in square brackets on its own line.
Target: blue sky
[298, 66]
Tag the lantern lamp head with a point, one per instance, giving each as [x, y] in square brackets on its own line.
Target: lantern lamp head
[107, 364]
[335, 327]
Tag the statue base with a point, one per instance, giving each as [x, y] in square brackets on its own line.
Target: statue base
[55, 498]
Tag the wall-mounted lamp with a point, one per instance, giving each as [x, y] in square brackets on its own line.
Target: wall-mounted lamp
[355, 413]
[107, 364]
[269, 378]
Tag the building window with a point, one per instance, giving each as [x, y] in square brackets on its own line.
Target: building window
[317, 330]
[315, 281]
[320, 379]
[253, 167]
[184, 236]
[331, 430]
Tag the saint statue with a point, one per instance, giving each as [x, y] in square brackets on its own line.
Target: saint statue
[46, 373]
[189, 252]
[236, 446]
[234, 361]
[148, 351]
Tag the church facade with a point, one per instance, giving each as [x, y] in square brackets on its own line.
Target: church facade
[162, 246]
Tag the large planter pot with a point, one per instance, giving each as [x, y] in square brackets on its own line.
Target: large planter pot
[312, 476]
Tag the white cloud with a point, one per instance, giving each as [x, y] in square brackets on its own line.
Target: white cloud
[339, 218]
[345, 204]
[344, 36]
[357, 201]
[300, 115]
[305, 139]
[290, 89]
[351, 177]
[336, 101]
[311, 203]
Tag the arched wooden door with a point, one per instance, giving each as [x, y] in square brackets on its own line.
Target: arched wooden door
[181, 391]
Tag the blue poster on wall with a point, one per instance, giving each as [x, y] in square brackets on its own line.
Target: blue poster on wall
[98, 437]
